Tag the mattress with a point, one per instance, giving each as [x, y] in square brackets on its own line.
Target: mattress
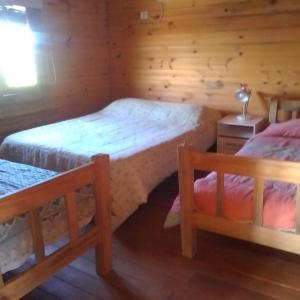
[15, 237]
[141, 137]
[280, 142]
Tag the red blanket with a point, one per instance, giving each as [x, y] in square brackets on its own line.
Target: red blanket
[279, 141]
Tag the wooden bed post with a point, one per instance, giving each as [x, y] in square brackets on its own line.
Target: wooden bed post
[298, 209]
[273, 110]
[186, 190]
[103, 215]
[1, 281]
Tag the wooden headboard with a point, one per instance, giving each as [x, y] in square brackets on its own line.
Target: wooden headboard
[292, 107]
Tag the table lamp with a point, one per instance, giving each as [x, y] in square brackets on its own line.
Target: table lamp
[243, 96]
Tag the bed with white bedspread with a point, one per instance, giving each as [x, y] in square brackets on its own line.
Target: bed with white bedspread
[141, 137]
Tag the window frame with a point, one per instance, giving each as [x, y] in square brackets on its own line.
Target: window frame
[22, 93]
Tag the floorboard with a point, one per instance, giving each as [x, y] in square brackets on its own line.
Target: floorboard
[147, 264]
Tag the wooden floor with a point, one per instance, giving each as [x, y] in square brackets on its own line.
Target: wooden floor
[147, 264]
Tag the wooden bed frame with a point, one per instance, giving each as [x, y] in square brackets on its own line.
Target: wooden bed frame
[260, 170]
[29, 200]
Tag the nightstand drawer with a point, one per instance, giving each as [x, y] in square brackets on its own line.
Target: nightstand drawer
[230, 145]
[235, 131]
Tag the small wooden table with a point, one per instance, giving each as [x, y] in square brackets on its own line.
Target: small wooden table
[233, 133]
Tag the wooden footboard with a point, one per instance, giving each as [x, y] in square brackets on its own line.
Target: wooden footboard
[260, 170]
[29, 200]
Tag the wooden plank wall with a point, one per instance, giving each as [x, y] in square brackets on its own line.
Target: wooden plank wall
[73, 34]
[202, 49]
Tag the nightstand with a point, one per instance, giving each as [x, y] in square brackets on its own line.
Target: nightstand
[233, 133]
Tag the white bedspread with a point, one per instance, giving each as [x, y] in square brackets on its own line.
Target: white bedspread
[140, 136]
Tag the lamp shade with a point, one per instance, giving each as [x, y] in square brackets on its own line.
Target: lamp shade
[242, 94]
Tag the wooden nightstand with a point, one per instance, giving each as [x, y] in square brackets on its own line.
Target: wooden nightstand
[233, 133]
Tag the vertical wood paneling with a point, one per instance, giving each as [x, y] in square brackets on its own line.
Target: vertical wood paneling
[202, 49]
[73, 34]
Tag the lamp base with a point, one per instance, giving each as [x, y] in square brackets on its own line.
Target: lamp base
[242, 118]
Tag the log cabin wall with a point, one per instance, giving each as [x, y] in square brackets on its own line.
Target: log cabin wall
[73, 38]
[201, 50]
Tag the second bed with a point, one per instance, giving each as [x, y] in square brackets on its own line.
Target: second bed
[141, 137]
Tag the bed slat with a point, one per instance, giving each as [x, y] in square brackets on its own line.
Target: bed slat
[258, 201]
[273, 111]
[37, 235]
[298, 209]
[219, 194]
[72, 218]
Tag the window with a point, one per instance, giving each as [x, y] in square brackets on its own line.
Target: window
[17, 61]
